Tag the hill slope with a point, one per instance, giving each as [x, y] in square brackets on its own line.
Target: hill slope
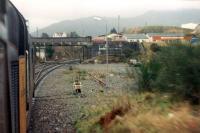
[89, 26]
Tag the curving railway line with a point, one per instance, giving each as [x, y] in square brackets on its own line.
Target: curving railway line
[47, 68]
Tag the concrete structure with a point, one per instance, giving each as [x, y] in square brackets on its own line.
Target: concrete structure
[60, 34]
[136, 38]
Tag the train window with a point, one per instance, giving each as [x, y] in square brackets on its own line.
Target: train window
[2, 9]
[2, 6]
[2, 30]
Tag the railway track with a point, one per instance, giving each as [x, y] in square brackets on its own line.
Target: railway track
[99, 81]
[47, 68]
[44, 72]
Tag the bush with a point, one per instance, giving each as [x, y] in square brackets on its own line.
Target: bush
[154, 47]
[49, 51]
[174, 69]
[128, 52]
[148, 74]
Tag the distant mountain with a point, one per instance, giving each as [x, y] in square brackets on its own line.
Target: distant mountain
[89, 26]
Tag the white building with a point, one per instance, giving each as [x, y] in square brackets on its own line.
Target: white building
[191, 26]
[136, 38]
[60, 34]
[116, 37]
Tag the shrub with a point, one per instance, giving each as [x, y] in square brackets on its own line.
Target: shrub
[148, 74]
[174, 69]
[180, 69]
[154, 47]
[128, 52]
[49, 51]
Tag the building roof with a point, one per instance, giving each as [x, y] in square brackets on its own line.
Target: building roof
[135, 36]
[189, 26]
[166, 34]
[99, 39]
[112, 35]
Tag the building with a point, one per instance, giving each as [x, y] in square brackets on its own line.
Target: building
[99, 39]
[191, 26]
[196, 35]
[195, 40]
[136, 38]
[116, 38]
[115, 44]
[60, 34]
[167, 37]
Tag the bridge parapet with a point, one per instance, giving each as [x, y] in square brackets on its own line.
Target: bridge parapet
[62, 41]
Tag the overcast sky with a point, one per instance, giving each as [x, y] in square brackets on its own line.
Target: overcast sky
[41, 13]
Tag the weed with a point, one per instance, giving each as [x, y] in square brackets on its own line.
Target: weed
[143, 112]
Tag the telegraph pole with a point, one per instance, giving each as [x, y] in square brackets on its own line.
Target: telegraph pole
[37, 32]
[118, 24]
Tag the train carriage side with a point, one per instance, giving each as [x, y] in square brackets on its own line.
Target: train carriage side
[16, 82]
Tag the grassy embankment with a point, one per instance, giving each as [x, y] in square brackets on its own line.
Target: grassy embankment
[145, 112]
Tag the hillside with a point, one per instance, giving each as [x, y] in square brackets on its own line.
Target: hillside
[157, 29]
[89, 26]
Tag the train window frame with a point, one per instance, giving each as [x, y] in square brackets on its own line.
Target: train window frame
[5, 108]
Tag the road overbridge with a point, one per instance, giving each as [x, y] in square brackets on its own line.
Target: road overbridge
[82, 43]
[64, 41]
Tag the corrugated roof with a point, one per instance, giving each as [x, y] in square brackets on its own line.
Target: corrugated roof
[166, 34]
[135, 36]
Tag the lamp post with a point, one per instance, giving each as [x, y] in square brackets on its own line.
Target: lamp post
[120, 45]
[107, 74]
[106, 45]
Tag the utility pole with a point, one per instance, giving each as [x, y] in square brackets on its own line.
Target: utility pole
[118, 24]
[37, 32]
[107, 74]
[107, 52]
[146, 24]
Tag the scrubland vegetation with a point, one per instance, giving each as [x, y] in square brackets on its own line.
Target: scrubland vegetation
[157, 29]
[167, 100]
[174, 69]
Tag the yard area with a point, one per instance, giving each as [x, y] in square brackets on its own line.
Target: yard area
[119, 108]
[126, 110]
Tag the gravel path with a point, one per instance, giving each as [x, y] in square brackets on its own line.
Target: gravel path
[56, 108]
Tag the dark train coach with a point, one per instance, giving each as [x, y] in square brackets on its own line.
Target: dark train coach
[16, 71]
